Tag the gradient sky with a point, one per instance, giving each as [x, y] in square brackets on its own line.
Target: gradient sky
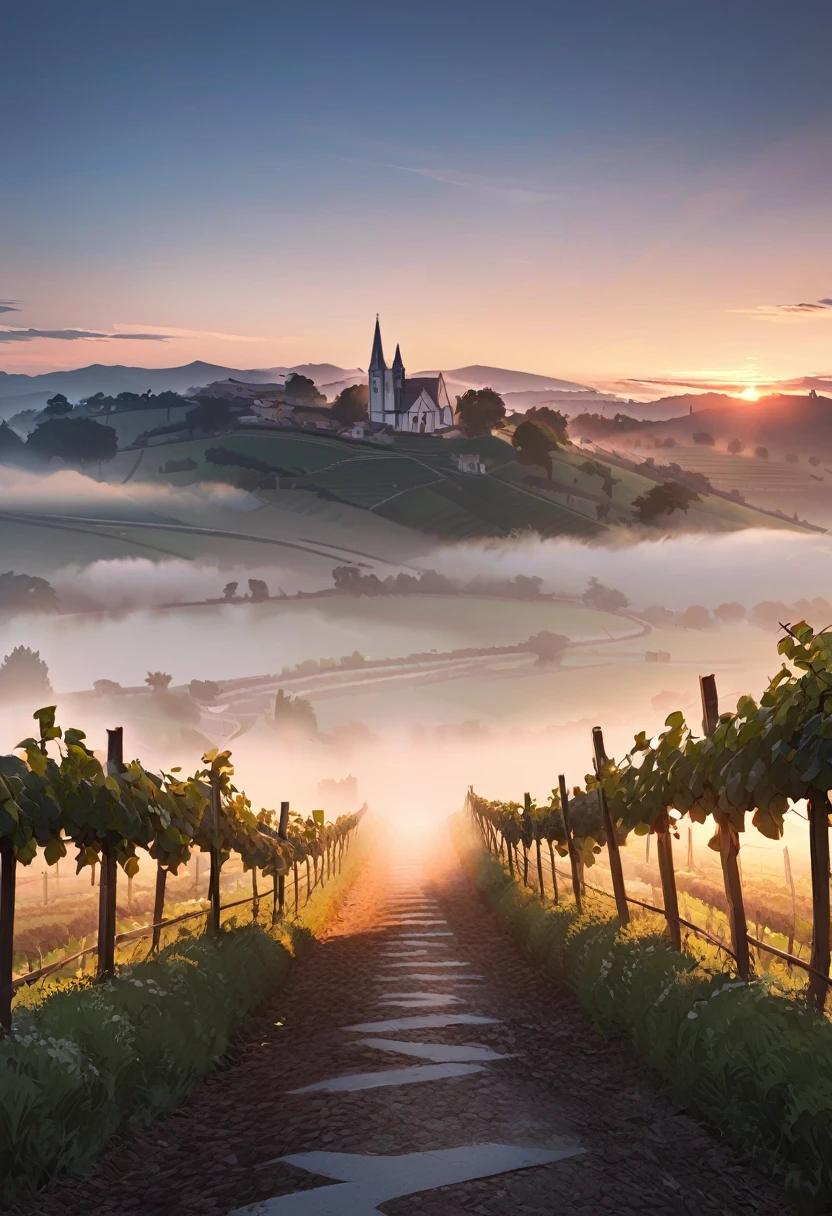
[594, 190]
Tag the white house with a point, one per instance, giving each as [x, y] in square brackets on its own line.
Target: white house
[418, 405]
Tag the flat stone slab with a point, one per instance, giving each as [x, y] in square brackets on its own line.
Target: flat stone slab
[421, 936]
[447, 978]
[416, 1074]
[367, 1182]
[439, 1053]
[415, 1000]
[433, 963]
[430, 1021]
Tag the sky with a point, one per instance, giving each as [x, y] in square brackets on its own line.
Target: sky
[601, 191]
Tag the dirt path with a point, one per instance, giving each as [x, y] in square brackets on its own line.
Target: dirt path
[543, 1115]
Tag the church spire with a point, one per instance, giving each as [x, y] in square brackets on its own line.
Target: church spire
[377, 363]
[398, 365]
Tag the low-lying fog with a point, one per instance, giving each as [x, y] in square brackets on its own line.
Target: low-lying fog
[413, 744]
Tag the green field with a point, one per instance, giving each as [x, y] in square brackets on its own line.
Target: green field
[416, 484]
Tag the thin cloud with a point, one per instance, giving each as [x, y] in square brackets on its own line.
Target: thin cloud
[781, 312]
[73, 335]
[9, 305]
[507, 189]
[174, 332]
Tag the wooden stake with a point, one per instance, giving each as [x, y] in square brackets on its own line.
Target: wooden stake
[664, 850]
[159, 905]
[819, 853]
[8, 868]
[539, 868]
[109, 872]
[214, 857]
[790, 880]
[282, 831]
[554, 872]
[295, 874]
[577, 885]
[616, 871]
[729, 847]
[255, 905]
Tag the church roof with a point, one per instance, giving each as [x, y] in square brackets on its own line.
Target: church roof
[398, 365]
[377, 358]
[413, 387]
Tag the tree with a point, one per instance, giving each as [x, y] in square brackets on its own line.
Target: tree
[548, 646]
[761, 453]
[792, 458]
[258, 590]
[658, 615]
[704, 438]
[663, 499]
[556, 422]
[212, 414]
[302, 389]
[80, 441]
[814, 461]
[735, 446]
[24, 676]
[57, 406]
[12, 447]
[295, 713]
[229, 591]
[606, 599]
[534, 443]
[696, 617]
[479, 411]
[730, 614]
[26, 593]
[158, 681]
[204, 690]
[106, 688]
[351, 405]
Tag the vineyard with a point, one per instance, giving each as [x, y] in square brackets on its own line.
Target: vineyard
[758, 1062]
[109, 812]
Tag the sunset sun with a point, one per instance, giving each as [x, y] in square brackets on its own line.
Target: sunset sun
[750, 394]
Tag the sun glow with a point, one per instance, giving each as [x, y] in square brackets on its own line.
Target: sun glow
[750, 394]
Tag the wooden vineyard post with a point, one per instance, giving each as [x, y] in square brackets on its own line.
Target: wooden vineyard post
[159, 905]
[214, 856]
[295, 876]
[109, 873]
[570, 844]
[728, 847]
[790, 880]
[8, 874]
[819, 853]
[616, 871]
[255, 903]
[555, 898]
[308, 883]
[539, 861]
[664, 850]
[283, 832]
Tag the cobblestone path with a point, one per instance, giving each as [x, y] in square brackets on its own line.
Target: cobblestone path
[415, 1063]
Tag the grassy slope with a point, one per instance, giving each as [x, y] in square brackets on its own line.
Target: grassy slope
[416, 484]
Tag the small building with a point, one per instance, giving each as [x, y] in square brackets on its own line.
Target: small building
[469, 462]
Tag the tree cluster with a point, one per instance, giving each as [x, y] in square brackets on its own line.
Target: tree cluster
[26, 593]
[479, 411]
[350, 580]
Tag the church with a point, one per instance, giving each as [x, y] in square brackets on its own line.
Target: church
[418, 405]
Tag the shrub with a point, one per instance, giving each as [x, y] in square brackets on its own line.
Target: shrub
[93, 1057]
[792, 458]
[735, 446]
[704, 438]
[755, 1064]
[761, 453]
[814, 461]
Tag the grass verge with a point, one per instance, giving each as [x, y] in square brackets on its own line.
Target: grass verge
[89, 1058]
[753, 1063]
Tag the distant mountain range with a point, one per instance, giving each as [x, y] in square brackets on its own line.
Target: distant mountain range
[520, 390]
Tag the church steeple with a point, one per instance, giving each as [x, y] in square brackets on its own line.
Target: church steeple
[377, 363]
[398, 378]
